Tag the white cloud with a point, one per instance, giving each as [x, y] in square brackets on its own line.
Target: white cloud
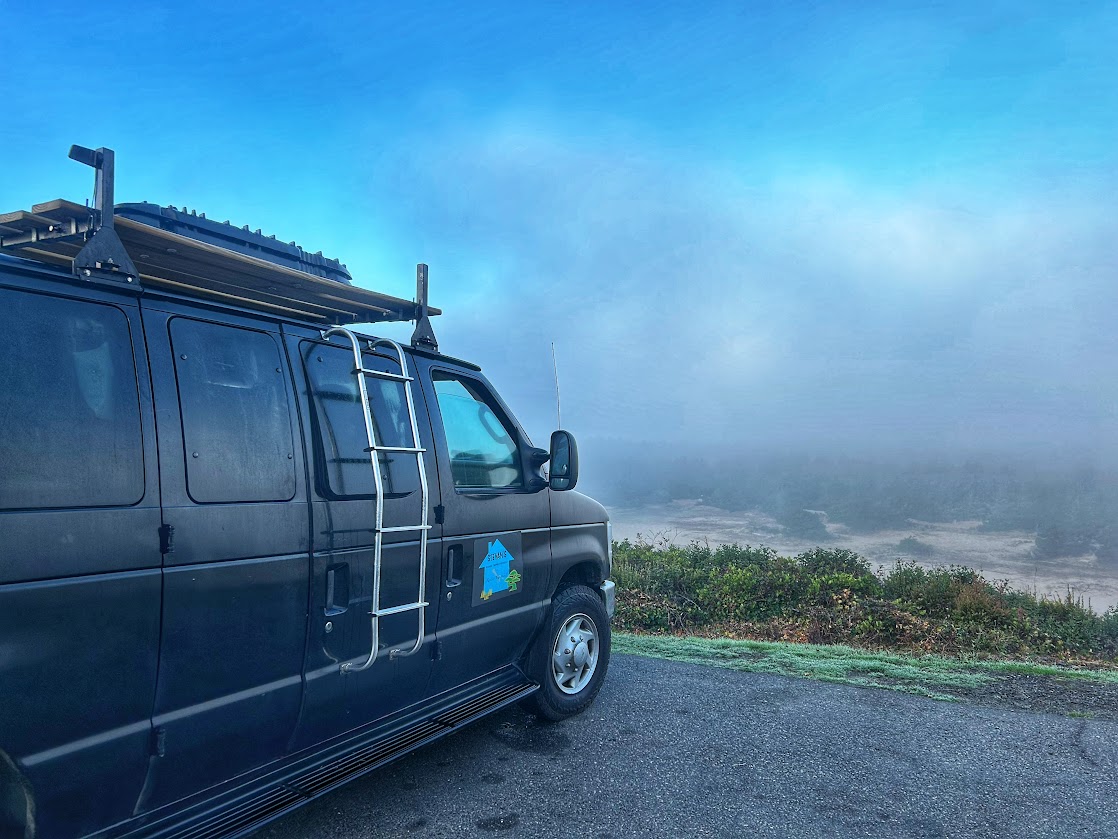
[686, 300]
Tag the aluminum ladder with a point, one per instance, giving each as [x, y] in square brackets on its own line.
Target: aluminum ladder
[374, 450]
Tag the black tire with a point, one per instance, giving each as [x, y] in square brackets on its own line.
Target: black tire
[579, 604]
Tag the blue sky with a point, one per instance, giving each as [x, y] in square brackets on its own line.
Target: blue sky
[787, 224]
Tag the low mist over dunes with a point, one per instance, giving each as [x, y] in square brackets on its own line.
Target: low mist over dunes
[1044, 525]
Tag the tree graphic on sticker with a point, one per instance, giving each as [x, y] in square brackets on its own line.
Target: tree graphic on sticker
[496, 568]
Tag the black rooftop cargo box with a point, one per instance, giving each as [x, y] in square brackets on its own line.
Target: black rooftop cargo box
[239, 239]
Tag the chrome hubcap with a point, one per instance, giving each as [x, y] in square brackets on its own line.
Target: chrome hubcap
[575, 654]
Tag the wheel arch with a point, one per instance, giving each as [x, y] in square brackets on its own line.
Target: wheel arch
[587, 572]
[17, 803]
[580, 555]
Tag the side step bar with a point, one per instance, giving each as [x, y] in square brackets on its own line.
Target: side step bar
[275, 801]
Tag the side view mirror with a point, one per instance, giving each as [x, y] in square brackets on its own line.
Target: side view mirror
[563, 474]
[536, 459]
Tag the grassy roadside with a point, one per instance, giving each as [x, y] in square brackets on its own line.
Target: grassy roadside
[926, 675]
[948, 634]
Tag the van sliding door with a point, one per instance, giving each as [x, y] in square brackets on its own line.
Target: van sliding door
[344, 507]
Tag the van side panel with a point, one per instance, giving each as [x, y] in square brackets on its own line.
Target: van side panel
[44, 544]
[79, 583]
[579, 536]
[235, 583]
[229, 682]
[77, 672]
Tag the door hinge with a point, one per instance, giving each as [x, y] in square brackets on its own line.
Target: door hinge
[437, 650]
[159, 741]
[166, 539]
[440, 513]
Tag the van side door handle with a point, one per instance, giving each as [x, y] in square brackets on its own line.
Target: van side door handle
[337, 589]
[455, 555]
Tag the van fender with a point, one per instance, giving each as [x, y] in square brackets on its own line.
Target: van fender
[586, 571]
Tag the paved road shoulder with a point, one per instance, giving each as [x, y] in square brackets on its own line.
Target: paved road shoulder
[675, 749]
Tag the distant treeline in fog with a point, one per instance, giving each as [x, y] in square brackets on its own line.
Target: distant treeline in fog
[1071, 509]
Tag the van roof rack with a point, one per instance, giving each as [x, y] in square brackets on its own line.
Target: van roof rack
[146, 246]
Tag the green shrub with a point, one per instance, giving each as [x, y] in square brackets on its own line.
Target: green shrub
[904, 581]
[836, 560]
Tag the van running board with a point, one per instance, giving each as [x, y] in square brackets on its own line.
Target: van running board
[275, 801]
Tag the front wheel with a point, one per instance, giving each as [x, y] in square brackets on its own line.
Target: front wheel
[571, 656]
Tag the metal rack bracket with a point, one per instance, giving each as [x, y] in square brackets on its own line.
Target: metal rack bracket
[424, 336]
[103, 255]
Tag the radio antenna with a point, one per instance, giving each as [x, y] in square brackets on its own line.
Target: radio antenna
[555, 369]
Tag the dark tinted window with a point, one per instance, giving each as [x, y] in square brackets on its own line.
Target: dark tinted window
[340, 433]
[69, 410]
[236, 418]
[483, 450]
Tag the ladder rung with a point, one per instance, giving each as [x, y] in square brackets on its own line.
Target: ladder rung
[382, 375]
[405, 529]
[409, 449]
[395, 610]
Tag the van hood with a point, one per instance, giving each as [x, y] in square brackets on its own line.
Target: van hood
[573, 507]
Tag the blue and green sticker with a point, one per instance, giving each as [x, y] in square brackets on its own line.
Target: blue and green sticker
[499, 570]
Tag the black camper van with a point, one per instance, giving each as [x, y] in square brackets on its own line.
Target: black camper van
[248, 553]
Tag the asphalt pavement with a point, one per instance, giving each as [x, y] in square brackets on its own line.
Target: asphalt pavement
[682, 750]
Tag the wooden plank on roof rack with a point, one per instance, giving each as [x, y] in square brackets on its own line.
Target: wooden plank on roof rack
[21, 220]
[52, 220]
[184, 281]
[222, 281]
[60, 209]
[336, 299]
[156, 251]
[194, 290]
[179, 263]
[200, 287]
[52, 257]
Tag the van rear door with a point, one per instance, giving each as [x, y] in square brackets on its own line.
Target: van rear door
[79, 554]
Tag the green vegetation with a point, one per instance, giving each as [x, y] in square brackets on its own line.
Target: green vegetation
[925, 675]
[832, 596]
